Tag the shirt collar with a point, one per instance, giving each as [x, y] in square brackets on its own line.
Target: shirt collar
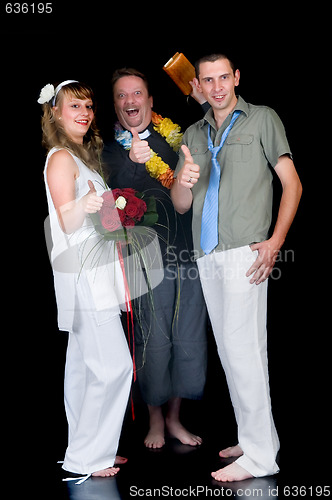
[145, 134]
[209, 116]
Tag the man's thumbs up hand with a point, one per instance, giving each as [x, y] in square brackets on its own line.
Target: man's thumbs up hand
[140, 150]
[189, 173]
[187, 154]
[134, 133]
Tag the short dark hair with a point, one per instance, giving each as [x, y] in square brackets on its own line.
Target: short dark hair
[212, 58]
[120, 73]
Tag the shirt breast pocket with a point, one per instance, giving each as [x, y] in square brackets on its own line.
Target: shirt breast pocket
[198, 150]
[239, 147]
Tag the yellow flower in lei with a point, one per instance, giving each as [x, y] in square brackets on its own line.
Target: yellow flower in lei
[171, 131]
[156, 167]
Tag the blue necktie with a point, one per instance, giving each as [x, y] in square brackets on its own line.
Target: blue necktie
[209, 228]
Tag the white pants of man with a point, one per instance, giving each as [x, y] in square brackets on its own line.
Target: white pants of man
[98, 378]
[237, 312]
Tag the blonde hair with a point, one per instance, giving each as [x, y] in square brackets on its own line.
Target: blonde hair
[54, 134]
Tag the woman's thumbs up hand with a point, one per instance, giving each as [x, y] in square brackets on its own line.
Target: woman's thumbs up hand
[91, 201]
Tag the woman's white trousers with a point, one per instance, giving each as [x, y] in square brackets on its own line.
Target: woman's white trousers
[98, 377]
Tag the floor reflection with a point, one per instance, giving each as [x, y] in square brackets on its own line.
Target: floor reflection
[95, 488]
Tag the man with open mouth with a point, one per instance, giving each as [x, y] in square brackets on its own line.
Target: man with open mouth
[171, 361]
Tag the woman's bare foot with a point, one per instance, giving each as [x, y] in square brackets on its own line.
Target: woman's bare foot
[232, 472]
[155, 438]
[231, 451]
[110, 471]
[120, 460]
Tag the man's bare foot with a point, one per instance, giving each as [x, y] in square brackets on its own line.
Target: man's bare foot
[120, 460]
[155, 438]
[156, 435]
[231, 451]
[174, 426]
[110, 471]
[176, 429]
[232, 472]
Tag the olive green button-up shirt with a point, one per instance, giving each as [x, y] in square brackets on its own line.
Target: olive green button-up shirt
[253, 146]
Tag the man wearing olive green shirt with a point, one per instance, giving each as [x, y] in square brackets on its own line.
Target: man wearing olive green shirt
[235, 262]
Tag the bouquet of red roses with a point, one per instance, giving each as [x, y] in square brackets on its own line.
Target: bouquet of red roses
[124, 218]
[122, 209]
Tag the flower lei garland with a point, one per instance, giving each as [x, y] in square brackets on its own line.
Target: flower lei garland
[156, 167]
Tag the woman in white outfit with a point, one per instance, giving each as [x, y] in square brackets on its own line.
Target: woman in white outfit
[98, 370]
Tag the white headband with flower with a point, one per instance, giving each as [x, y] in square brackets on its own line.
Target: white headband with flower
[47, 93]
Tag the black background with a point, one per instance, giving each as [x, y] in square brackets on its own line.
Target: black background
[283, 58]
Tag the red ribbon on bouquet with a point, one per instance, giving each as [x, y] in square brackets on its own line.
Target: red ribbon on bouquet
[130, 318]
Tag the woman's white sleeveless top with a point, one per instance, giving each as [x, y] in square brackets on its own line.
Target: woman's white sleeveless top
[83, 258]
